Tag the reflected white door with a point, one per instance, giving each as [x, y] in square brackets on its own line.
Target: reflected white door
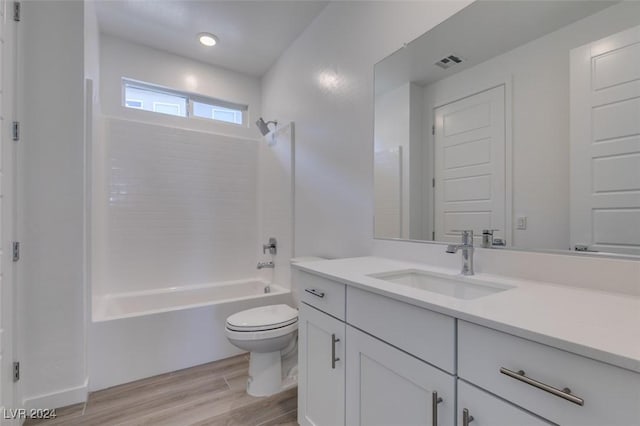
[470, 185]
[605, 144]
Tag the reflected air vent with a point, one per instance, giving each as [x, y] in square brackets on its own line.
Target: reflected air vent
[449, 61]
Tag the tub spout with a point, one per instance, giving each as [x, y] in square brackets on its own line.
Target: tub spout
[262, 265]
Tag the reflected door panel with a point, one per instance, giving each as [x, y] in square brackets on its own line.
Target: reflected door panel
[470, 165]
[605, 144]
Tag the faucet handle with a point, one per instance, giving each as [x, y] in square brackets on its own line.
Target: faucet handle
[489, 231]
[467, 235]
[272, 246]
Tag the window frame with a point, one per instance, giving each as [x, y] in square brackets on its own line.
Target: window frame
[189, 97]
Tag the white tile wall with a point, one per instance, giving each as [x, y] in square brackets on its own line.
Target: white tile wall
[181, 208]
[275, 201]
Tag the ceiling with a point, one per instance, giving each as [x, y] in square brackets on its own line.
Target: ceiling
[252, 34]
[479, 32]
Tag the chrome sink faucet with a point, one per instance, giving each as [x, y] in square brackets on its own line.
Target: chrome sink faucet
[467, 251]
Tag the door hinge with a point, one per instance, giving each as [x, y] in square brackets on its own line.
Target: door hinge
[16, 11]
[16, 251]
[16, 371]
[433, 235]
[433, 182]
[433, 129]
[15, 130]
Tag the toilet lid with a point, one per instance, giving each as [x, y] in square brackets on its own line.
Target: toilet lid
[263, 318]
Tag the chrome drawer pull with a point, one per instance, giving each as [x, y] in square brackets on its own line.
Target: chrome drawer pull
[466, 418]
[334, 340]
[315, 292]
[435, 400]
[562, 393]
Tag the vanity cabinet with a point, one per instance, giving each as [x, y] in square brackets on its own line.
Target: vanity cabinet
[386, 386]
[321, 368]
[478, 408]
[565, 388]
[368, 359]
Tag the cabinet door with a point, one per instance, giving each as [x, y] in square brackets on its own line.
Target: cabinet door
[487, 410]
[386, 386]
[321, 362]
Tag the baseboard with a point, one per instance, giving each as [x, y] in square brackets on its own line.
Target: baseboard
[58, 399]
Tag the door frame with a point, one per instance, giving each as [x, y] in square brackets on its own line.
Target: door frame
[9, 222]
[465, 91]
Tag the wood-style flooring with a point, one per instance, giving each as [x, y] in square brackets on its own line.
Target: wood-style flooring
[209, 394]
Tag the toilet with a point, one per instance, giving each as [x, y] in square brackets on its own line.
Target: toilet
[270, 334]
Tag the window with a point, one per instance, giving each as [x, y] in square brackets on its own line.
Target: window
[134, 103]
[173, 109]
[145, 96]
[215, 112]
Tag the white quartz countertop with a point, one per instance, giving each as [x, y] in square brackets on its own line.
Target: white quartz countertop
[599, 325]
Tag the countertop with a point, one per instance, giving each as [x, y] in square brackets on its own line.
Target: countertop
[595, 324]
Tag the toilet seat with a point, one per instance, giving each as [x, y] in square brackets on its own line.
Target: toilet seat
[264, 318]
[261, 335]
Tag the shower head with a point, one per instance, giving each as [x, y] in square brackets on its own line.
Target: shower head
[264, 127]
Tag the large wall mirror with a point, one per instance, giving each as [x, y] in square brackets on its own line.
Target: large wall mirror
[521, 117]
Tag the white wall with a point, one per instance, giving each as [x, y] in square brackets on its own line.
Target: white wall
[324, 82]
[276, 178]
[539, 73]
[51, 284]
[120, 58]
[192, 249]
[182, 207]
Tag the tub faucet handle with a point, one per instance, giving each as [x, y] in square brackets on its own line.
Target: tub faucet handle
[272, 246]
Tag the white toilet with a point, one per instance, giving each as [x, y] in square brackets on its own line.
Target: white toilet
[270, 334]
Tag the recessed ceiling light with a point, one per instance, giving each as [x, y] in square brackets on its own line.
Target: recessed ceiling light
[207, 39]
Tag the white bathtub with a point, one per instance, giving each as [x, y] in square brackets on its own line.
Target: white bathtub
[133, 304]
[140, 334]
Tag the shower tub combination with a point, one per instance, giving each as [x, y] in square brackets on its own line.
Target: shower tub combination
[140, 334]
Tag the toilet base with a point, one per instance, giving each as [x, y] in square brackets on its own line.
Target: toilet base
[265, 374]
[273, 372]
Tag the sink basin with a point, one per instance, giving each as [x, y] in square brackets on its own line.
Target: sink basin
[460, 288]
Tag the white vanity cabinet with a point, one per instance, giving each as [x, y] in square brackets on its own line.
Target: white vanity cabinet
[562, 387]
[386, 386]
[384, 372]
[321, 351]
[371, 359]
[478, 408]
[321, 368]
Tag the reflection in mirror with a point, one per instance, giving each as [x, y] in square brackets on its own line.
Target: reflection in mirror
[521, 118]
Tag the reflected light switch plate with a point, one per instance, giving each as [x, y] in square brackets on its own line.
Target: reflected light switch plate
[521, 222]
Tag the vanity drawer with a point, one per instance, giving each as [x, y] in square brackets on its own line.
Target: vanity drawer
[424, 334]
[492, 360]
[323, 294]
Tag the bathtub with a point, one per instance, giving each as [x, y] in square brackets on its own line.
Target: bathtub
[140, 334]
[133, 304]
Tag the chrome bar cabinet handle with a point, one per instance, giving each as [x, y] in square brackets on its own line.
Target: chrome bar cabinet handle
[334, 340]
[466, 418]
[435, 400]
[562, 393]
[315, 292]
